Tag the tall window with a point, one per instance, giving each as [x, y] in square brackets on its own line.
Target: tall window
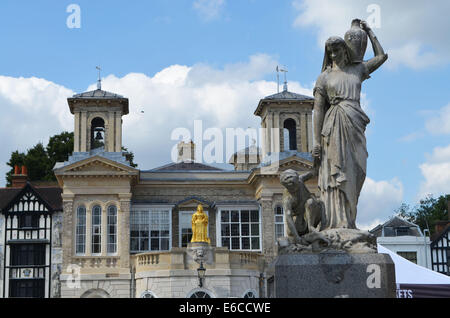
[112, 230]
[279, 222]
[96, 230]
[80, 240]
[185, 228]
[150, 230]
[240, 229]
[290, 135]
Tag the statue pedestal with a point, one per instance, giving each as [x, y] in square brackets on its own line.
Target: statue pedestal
[333, 274]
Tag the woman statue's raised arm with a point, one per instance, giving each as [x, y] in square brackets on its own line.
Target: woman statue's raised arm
[380, 57]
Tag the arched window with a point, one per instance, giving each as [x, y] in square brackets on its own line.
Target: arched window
[148, 294]
[112, 230]
[80, 232]
[96, 230]
[200, 294]
[290, 134]
[279, 222]
[97, 133]
[249, 294]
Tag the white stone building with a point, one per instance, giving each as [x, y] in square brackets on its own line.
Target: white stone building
[406, 239]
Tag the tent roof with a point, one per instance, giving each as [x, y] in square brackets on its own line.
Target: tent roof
[407, 272]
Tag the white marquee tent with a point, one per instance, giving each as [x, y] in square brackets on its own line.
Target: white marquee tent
[414, 281]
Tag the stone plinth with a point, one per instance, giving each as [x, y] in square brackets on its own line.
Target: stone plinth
[333, 274]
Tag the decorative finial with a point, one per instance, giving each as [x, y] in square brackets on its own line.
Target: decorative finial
[99, 81]
[285, 86]
[278, 79]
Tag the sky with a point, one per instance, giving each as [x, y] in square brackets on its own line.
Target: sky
[213, 60]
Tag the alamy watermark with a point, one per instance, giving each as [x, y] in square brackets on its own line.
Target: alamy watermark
[74, 19]
[374, 19]
[245, 146]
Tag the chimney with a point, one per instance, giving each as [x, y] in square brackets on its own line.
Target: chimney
[186, 151]
[20, 177]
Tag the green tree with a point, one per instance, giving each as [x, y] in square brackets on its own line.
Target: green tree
[429, 211]
[59, 147]
[17, 158]
[130, 157]
[40, 160]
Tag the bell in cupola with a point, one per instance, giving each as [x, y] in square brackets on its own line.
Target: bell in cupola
[99, 136]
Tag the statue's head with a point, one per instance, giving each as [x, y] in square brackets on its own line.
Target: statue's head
[289, 179]
[336, 50]
[200, 208]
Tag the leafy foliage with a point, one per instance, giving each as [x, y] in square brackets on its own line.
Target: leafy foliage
[429, 211]
[40, 160]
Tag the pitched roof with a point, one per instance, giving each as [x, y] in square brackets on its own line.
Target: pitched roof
[187, 166]
[49, 194]
[286, 95]
[436, 237]
[393, 223]
[97, 95]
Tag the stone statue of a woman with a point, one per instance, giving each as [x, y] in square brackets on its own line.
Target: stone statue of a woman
[339, 127]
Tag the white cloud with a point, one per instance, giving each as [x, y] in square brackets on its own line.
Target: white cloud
[440, 123]
[209, 9]
[436, 171]
[377, 202]
[35, 109]
[413, 33]
[178, 95]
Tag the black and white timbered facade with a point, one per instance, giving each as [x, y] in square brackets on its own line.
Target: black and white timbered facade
[27, 243]
[440, 252]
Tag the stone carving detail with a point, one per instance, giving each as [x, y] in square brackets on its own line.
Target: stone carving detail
[57, 231]
[340, 153]
[57, 282]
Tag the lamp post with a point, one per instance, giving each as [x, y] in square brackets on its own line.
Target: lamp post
[201, 274]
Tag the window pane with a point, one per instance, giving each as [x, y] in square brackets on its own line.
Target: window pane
[234, 216]
[225, 230]
[134, 245]
[245, 230]
[255, 229]
[164, 244]
[235, 243]
[245, 216]
[245, 243]
[225, 217]
[226, 242]
[144, 244]
[154, 244]
[255, 243]
[234, 229]
[255, 216]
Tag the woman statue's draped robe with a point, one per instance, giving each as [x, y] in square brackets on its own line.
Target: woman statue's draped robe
[344, 154]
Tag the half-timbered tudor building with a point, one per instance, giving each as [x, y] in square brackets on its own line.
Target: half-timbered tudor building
[30, 219]
[126, 231]
[440, 245]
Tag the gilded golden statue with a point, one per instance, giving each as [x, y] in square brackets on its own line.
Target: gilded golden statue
[200, 226]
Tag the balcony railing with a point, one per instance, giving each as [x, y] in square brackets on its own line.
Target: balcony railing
[179, 258]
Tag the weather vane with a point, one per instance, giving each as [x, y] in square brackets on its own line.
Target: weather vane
[99, 81]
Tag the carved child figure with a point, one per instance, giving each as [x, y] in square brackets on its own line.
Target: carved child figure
[303, 211]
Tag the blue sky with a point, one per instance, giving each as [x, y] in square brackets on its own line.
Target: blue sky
[213, 60]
